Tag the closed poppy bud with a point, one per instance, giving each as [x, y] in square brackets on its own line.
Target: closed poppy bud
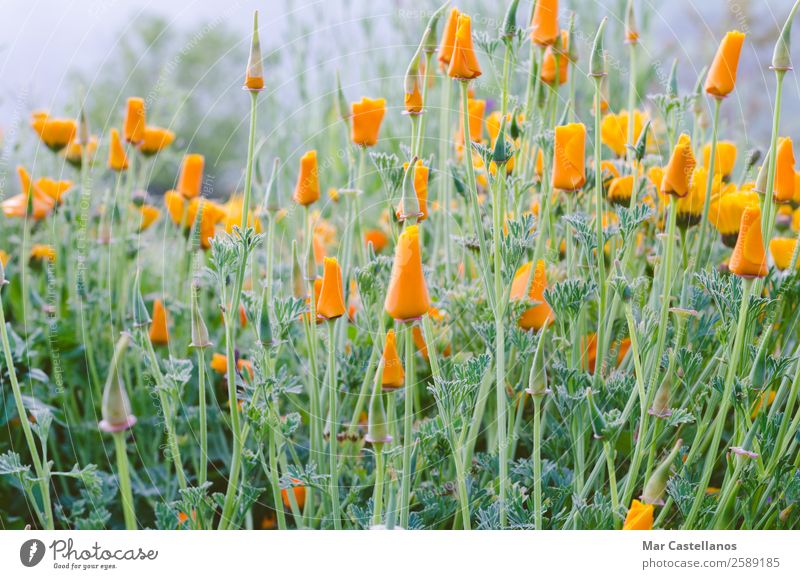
[784, 171]
[721, 78]
[597, 61]
[393, 375]
[367, 118]
[117, 159]
[190, 179]
[377, 426]
[420, 182]
[540, 314]
[139, 313]
[133, 128]
[464, 64]
[148, 215]
[781, 60]
[306, 191]
[544, 26]
[155, 139]
[254, 74]
[331, 297]
[678, 172]
[199, 330]
[549, 63]
[639, 518]
[54, 133]
[569, 163]
[749, 258]
[407, 296]
[657, 484]
[411, 85]
[448, 38]
[159, 333]
[725, 158]
[116, 407]
[620, 190]
[782, 249]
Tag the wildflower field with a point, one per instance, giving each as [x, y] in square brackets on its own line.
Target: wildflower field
[562, 295]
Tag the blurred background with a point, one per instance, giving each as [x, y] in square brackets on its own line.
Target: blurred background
[187, 59]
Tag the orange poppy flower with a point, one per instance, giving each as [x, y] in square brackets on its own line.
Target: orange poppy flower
[678, 172]
[749, 258]
[331, 296]
[639, 518]
[133, 128]
[544, 26]
[539, 315]
[154, 140]
[54, 133]
[725, 157]
[159, 332]
[299, 492]
[569, 163]
[148, 213]
[31, 202]
[393, 374]
[549, 63]
[190, 180]
[377, 238]
[367, 118]
[448, 39]
[782, 249]
[721, 78]
[117, 158]
[306, 191]
[784, 171]
[464, 64]
[407, 296]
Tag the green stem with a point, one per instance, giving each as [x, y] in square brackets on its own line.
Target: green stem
[601, 266]
[700, 251]
[124, 481]
[405, 483]
[202, 475]
[377, 496]
[333, 410]
[537, 462]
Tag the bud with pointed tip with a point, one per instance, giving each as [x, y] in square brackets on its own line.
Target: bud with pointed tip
[141, 317]
[429, 43]
[410, 201]
[341, 103]
[572, 42]
[597, 64]
[655, 487]
[412, 85]
[537, 379]
[377, 426]
[510, 21]
[599, 426]
[763, 175]
[503, 149]
[199, 329]
[254, 75]
[116, 407]
[641, 145]
[298, 281]
[672, 83]
[631, 30]
[781, 59]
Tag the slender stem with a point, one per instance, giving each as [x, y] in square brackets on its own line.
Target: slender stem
[767, 217]
[405, 482]
[42, 470]
[202, 475]
[377, 496]
[124, 477]
[537, 462]
[274, 481]
[612, 476]
[601, 266]
[700, 251]
[334, 427]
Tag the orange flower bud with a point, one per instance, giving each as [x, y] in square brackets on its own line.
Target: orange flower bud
[725, 157]
[749, 258]
[254, 74]
[614, 130]
[117, 159]
[299, 492]
[155, 139]
[331, 297]
[569, 163]
[219, 363]
[159, 333]
[407, 296]
[782, 249]
[306, 191]
[725, 213]
[190, 180]
[41, 252]
[678, 172]
[544, 26]
[721, 78]
[148, 214]
[134, 126]
[549, 62]
[52, 188]
[784, 171]
[464, 64]
[367, 118]
[539, 315]
[393, 373]
[448, 38]
[639, 518]
[233, 215]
